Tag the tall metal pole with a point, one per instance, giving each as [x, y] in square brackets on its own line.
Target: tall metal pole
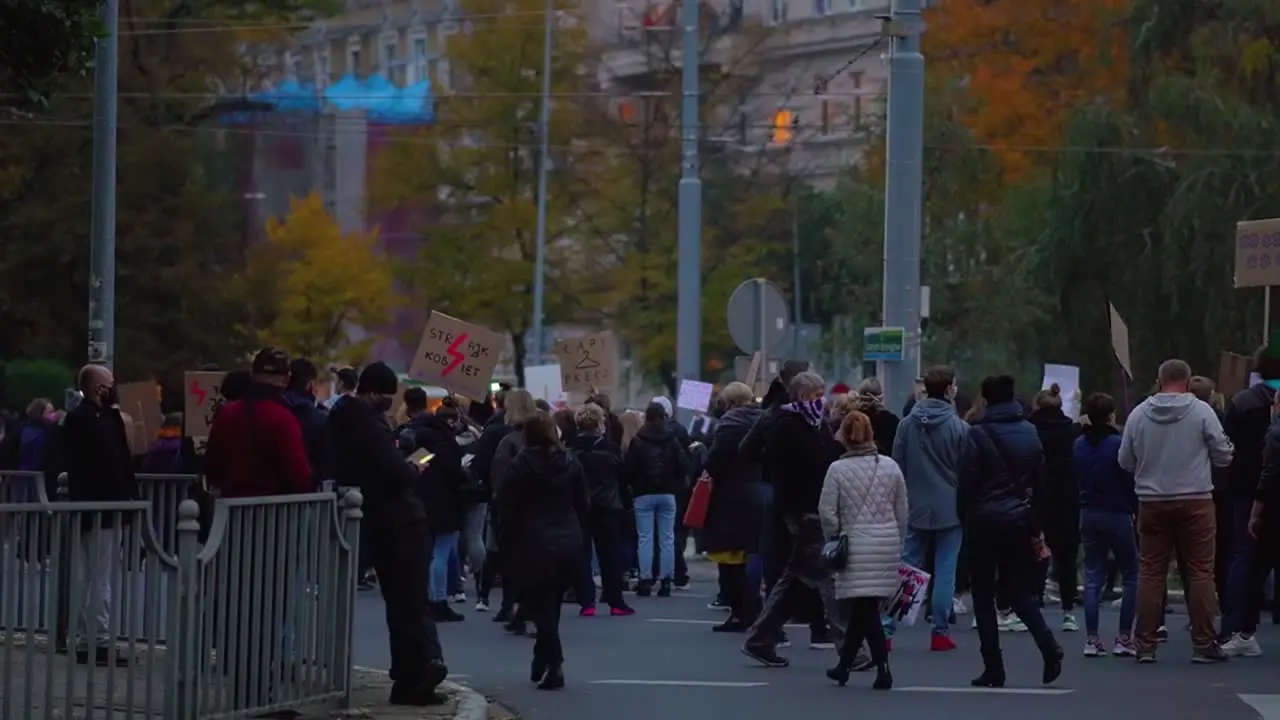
[904, 183]
[689, 271]
[102, 236]
[544, 140]
[795, 270]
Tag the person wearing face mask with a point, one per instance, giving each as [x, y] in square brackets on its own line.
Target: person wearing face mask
[99, 469]
[365, 455]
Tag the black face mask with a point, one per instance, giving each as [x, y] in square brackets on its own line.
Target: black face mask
[110, 397]
[383, 403]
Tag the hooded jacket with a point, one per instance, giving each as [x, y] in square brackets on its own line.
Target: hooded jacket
[929, 448]
[312, 419]
[655, 463]
[543, 501]
[1104, 485]
[733, 515]
[794, 456]
[1170, 443]
[1058, 435]
[1246, 423]
[1001, 469]
[256, 448]
[365, 455]
[601, 462]
[440, 484]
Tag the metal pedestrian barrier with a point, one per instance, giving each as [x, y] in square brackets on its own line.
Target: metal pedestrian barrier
[256, 619]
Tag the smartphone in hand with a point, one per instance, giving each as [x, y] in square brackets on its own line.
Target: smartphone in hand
[421, 458]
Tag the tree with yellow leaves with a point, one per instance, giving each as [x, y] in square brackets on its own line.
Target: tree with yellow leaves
[310, 283]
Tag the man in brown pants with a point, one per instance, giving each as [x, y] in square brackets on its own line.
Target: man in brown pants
[1171, 443]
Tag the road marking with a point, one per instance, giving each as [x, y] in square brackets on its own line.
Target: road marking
[681, 683]
[682, 621]
[988, 691]
[1268, 706]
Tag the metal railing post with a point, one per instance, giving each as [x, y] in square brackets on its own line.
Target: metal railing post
[346, 587]
[62, 580]
[182, 670]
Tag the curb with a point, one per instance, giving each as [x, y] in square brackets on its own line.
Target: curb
[471, 704]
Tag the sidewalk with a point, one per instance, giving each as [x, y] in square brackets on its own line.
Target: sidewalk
[55, 680]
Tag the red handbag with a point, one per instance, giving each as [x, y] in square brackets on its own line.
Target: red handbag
[695, 516]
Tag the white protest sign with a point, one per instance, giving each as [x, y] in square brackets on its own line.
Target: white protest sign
[543, 382]
[694, 395]
[1067, 378]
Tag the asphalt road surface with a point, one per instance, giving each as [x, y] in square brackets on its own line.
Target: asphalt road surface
[665, 662]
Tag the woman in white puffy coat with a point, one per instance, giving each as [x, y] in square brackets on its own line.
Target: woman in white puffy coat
[864, 499]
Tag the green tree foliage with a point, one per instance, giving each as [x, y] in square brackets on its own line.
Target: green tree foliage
[43, 45]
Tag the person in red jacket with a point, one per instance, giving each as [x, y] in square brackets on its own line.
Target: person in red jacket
[255, 444]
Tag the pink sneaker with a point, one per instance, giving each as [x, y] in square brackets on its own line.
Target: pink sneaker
[621, 611]
[587, 611]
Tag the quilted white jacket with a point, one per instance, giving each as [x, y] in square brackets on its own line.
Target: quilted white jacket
[865, 498]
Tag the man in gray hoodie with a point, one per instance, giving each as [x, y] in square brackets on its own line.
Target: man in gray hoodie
[1171, 444]
[929, 448]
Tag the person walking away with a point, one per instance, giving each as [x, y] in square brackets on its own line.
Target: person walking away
[1264, 528]
[520, 408]
[1002, 467]
[481, 470]
[440, 487]
[1059, 506]
[797, 452]
[864, 501]
[869, 400]
[654, 469]
[1107, 503]
[33, 440]
[683, 491]
[1170, 443]
[929, 447]
[601, 462]
[99, 469]
[544, 505]
[364, 449]
[164, 454]
[300, 397]
[734, 516]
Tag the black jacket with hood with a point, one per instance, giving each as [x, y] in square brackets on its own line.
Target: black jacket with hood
[1001, 471]
[794, 456]
[1246, 423]
[313, 419]
[365, 455]
[1057, 434]
[543, 505]
[441, 485]
[495, 429]
[734, 516]
[655, 463]
[601, 462]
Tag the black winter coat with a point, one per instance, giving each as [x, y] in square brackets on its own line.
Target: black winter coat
[656, 463]
[735, 515]
[441, 484]
[484, 448]
[543, 506]
[365, 455]
[1060, 502]
[1001, 470]
[601, 462]
[1246, 422]
[885, 426]
[794, 456]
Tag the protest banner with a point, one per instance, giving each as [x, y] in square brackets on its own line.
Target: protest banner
[1233, 373]
[141, 402]
[203, 398]
[1257, 253]
[457, 355]
[1120, 340]
[587, 362]
[694, 395]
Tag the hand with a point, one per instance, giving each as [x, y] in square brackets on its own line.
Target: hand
[1255, 519]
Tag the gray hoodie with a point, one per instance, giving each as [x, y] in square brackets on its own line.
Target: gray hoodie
[929, 447]
[1171, 443]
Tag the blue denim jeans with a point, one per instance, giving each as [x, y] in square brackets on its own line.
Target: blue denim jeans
[663, 509]
[444, 549]
[1242, 547]
[761, 567]
[1108, 533]
[946, 552]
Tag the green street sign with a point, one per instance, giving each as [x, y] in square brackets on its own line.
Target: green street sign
[882, 343]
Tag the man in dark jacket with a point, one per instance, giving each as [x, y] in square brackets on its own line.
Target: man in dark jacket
[300, 398]
[601, 462]
[255, 444]
[441, 490]
[99, 469]
[366, 456]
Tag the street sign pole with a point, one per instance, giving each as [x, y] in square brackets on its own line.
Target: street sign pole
[689, 255]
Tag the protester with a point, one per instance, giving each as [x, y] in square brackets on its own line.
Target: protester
[255, 444]
[1059, 506]
[929, 447]
[1262, 528]
[300, 397]
[864, 501]
[680, 578]
[440, 486]
[795, 452]
[164, 455]
[520, 408]
[614, 431]
[365, 456]
[543, 505]
[601, 463]
[1002, 465]
[1171, 442]
[654, 470]
[33, 440]
[732, 527]
[481, 470]
[99, 469]
[869, 400]
[347, 380]
[1205, 391]
[1107, 505]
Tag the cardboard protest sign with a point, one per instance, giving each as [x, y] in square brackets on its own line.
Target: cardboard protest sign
[457, 355]
[694, 395]
[590, 361]
[140, 401]
[203, 399]
[1120, 340]
[1233, 373]
[1257, 253]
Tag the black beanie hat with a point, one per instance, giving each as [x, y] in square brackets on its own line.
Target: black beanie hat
[378, 378]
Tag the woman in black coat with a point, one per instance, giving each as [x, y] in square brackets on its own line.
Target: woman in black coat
[734, 516]
[1059, 508]
[544, 505]
[869, 399]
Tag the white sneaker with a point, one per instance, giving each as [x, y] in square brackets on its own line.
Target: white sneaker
[958, 606]
[1124, 648]
[1241, 646]
[459, 598]
[482, 606]
[974, 626]
[1069, 624]
[1093, 648]
[1011, 623]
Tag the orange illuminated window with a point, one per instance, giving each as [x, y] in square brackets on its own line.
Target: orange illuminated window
[783, 127]
[627, 112]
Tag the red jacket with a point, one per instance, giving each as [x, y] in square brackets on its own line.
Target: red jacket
[268, 459]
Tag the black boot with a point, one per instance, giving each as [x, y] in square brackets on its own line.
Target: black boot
[664, 588]
[644, 588]
[1052, 666]
[840, 673]
[732, 625]
[554, 679]
[884, 678]
[537, 671]
[992, 672]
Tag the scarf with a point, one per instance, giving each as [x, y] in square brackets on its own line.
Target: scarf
[861, 450]
[811, 411]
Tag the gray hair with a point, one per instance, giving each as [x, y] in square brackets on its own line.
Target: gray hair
[806, 383]
[1174, 371]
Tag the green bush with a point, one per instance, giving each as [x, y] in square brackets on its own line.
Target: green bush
[26, 380]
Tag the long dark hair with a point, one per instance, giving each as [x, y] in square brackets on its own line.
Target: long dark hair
[540, 431]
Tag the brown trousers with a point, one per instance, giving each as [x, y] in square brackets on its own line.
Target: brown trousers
[1189, 527]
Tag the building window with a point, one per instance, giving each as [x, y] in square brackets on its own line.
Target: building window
[418, 59]
[390, 53]
[777, 11]
[627, 112]
[821, 7]
[292, 64]
[353, 56]
[784, 127]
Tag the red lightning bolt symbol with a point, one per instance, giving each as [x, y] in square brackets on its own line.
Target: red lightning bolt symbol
[198, 391]
[458, 357]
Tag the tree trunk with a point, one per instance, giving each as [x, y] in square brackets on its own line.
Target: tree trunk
[518, 352]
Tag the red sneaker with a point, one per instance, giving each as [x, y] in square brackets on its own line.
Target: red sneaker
[588, 611]
[941, 643]
[621, 611]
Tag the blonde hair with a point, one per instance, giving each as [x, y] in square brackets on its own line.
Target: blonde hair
[855, 430]
[631, 422]
[519, 407]
[1050, 398]
[589, 417]
[842, 404]
[736, 394]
